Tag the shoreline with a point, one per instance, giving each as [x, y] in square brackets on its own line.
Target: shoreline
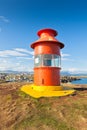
[71, 79]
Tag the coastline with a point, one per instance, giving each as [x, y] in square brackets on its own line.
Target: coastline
[74, 79]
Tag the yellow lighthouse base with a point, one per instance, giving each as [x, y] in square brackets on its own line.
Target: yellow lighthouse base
[46, 91]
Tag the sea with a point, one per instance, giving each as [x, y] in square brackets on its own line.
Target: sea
[81, 81]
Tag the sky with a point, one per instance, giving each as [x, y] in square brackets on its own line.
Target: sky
[20, 21]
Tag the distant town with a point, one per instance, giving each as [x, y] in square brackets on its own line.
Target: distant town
[16, 77]
[13, 76]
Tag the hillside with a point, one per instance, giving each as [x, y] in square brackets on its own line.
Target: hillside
[19, 111]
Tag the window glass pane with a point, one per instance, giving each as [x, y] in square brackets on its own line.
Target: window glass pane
[47, 60]
[57, 60]
[38, 60]
[51, 60]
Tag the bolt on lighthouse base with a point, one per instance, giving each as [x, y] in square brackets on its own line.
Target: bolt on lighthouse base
[46, 91]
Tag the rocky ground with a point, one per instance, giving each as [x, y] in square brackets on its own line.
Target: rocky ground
[19, 111]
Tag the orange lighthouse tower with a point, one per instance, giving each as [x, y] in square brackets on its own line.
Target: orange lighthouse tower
[47, 65]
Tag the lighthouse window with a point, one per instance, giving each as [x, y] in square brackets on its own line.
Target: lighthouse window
[47, 60]
[37, 61]
[57, 61]
[51, 60]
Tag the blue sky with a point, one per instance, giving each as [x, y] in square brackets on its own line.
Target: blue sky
[21, 19]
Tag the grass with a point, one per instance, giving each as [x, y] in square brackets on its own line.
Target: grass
[8, 97]
[42, 114]
[53, 113]
[40, 120]
[22, 94]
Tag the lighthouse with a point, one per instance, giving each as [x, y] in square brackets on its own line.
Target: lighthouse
[47, 65]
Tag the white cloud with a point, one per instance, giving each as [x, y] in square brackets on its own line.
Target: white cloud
[18, 52]
[72, 70]
[16, 59]
[4, 19]
[67, 59]
[4, 61]
[22, 68]
[64, 55]
[15, 65]
[64, 59]
[19, 59]
[24, 50]
[75, 70]
[7, 53]
[26, 58]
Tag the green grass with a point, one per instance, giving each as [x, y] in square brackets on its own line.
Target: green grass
[40, 120]
[44, 113]
[22, 94]
[8, 97]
